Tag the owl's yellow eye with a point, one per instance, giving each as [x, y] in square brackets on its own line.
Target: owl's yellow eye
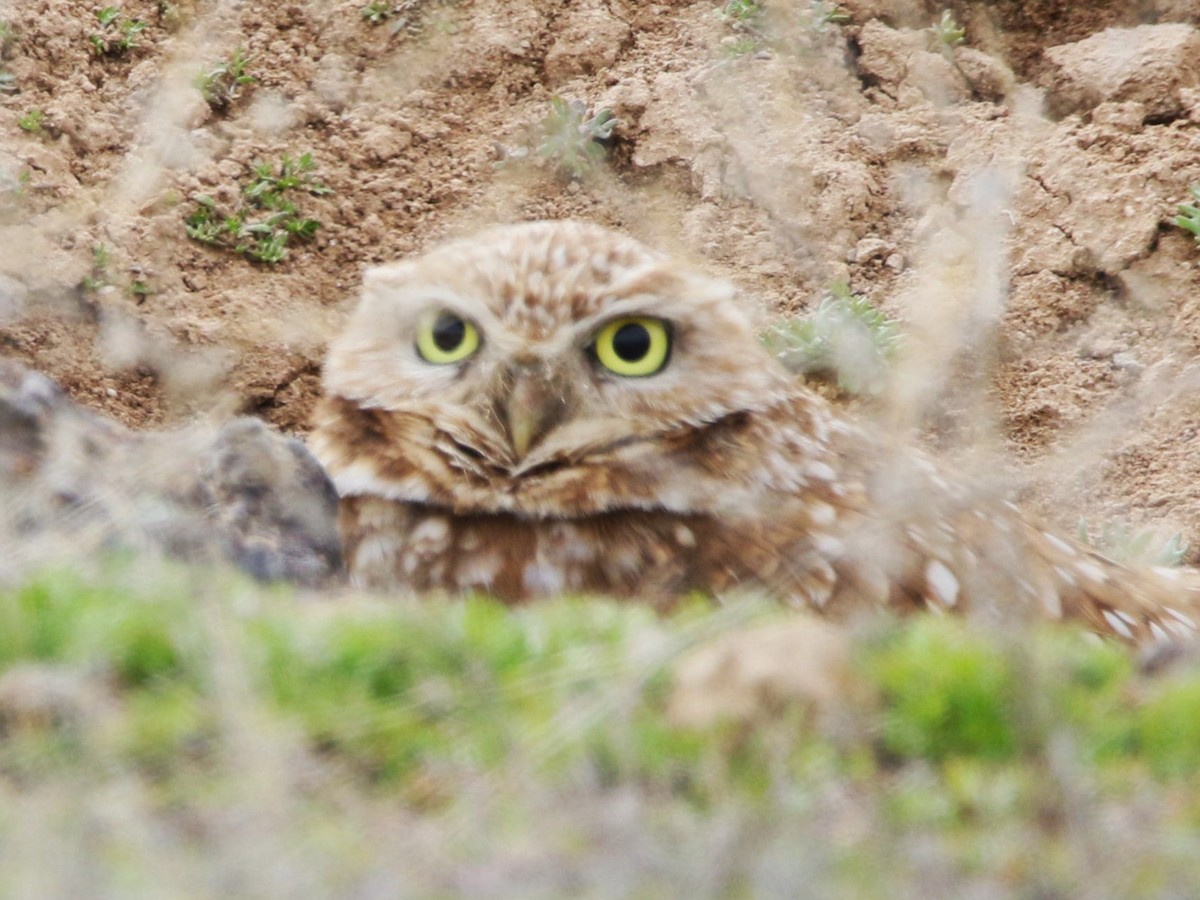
[444, 338]
[633, 346]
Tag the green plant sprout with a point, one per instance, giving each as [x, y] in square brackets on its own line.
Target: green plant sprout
[741, 46]
[118, 34]
[1189, 215]
[947, 34]
[267, 220]
[1135, 548]
[571, 139]
[222, 84]
[845, 339]
[377, 13]
[742, 11]
[13, 186]
[756, 30]
[98, 277]
[744, 17]
[7, 39]
[32, 121]
[822, 14]
[405, 15]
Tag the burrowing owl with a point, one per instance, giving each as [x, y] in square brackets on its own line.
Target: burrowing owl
[552, 407]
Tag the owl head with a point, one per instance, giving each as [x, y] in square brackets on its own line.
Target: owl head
[535, 368]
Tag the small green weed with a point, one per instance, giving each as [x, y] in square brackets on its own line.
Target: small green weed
[845, 339]
[32, 121]
[377, 13]
[742, 11]
[1167, 730]
[405, 15]
[745, 18]
[13, 187]
[1189, 215]
[1135, 548]
[222, 84]
[757, 28]
[822, 14]
[741, 46]
[170, 16]
[7, 39]
[946, 33]
[571, 139]
[267, 220]
[947, 693]
[98, 277]
[117, 34]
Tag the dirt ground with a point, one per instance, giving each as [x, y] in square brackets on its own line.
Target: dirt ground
[1008, 199]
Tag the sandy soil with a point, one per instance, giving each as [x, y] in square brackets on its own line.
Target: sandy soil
[1009, 200]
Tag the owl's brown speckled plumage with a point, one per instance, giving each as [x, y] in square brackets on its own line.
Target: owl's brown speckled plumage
[529, 469]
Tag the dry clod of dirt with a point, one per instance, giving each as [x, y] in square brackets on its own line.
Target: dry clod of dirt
[1153, 65]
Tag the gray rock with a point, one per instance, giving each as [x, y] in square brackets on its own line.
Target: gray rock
[72, 483]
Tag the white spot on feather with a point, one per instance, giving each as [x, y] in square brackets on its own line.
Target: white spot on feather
[477, 570]
[1116, 624]
[1058, 543]
[1066, 576]
[820, 471]
[1180, 616]
[1051, 601]
[822, 513]
[374, 551]
[828, 546]
[1180, 629]
[684, 536]
[941, 582]
[540, 578]
[432, 531]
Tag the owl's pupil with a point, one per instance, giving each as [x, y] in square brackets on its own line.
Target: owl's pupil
[631, 342]
[449, 332]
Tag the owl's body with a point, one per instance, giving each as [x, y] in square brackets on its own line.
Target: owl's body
[552, 408]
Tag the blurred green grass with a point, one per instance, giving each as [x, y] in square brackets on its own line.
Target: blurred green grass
[533, 746]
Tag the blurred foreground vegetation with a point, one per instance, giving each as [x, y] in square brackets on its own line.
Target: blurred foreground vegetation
[167, 731]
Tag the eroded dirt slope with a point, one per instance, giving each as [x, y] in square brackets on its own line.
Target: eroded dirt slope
[1009, 199]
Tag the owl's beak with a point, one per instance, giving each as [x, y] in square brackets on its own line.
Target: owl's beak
[534, 406]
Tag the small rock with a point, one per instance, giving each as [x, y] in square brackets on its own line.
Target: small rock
[386, 142]
[871, 248]
[1098, 348]
[1127, 362]
[1127, 116]
[988, 77]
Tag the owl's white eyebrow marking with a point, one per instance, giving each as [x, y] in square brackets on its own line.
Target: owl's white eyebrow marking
[642, 305]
